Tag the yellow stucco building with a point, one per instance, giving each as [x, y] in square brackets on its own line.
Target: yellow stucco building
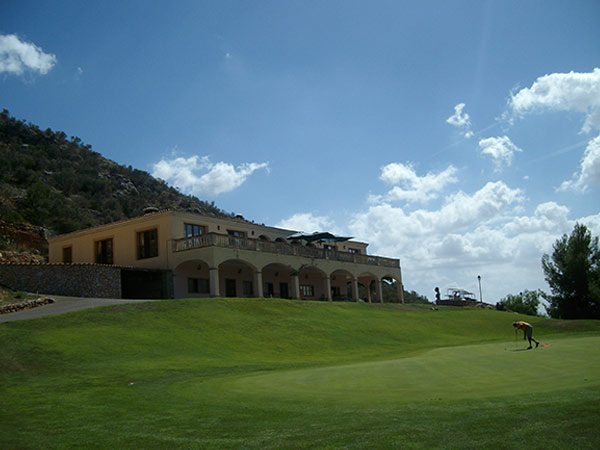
[215, 256]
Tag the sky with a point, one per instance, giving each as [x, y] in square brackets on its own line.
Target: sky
[462, 137]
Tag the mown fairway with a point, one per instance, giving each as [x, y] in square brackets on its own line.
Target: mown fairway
[269, 374]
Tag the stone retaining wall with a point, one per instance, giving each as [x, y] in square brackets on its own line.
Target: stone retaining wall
[76, 280]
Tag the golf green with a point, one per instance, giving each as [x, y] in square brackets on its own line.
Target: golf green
[452, 373]
[266, 373]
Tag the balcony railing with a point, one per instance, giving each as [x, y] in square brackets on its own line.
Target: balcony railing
[281, 248]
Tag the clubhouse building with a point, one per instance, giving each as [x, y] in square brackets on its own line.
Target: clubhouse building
[187, 254]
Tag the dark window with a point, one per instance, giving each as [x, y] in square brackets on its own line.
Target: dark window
[353, 250]
[104, 251]
[198, 285]
[236, 233]
[191, 230]
[68, 255]
[147, 244]
[247, 288]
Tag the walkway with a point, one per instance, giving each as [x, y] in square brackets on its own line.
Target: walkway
[63, 305]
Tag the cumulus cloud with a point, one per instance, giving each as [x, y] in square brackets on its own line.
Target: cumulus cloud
[308, 223]
[472, 234]
[589, 174]
[573, 91]
[501, 149]
[408, 186]
[17, 56]
[461, 120]
[579, 92]
[397, 231]
[200, 176]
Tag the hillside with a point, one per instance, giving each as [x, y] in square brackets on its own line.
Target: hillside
[59, 183]
[234, 373]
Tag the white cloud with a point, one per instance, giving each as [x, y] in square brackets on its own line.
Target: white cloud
[394, 231]
[185, 174]
[308, 223]
[589, 174]
[501, 149]
[461, 120]
[571, 91]
[17, 56]
[414, 188]
[471, 234]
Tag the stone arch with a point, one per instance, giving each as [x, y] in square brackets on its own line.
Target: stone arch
[277, 280]
[367, 286]
[191, 279]
[392, 289]
[237, 278]
[312, 283]
[264, 237]
[341, 285]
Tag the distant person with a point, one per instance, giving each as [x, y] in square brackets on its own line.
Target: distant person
[437, 294]
[527, 332]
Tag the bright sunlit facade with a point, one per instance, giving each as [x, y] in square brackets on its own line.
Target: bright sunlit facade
[214, 256]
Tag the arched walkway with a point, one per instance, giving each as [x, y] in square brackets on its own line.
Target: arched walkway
[237, 278]
[277, 281]
[341, 285]
[313, 284]
[191, 279]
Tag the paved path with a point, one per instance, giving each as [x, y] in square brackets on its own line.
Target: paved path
[63, 305]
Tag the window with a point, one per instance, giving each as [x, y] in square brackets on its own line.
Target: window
[247, 288]
[236, 233]
[353, 251]
[198, 286]
[191, 230]
[307, 290]
[147, 244]
[67, 254]
[104, 251]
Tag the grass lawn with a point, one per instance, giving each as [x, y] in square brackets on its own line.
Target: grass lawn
[231, 373]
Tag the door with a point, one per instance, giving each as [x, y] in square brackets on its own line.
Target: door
[230, 288]
[283, 290]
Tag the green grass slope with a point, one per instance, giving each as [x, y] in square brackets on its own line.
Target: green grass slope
[231, 373]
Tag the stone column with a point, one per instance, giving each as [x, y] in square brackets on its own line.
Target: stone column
[379, 290]
[295, 287]
[355, 288]
[400, 289]
[368, 286]
[328, 288]
[213, 281]
[259, 284]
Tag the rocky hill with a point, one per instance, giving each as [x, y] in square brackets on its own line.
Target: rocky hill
[58, 184]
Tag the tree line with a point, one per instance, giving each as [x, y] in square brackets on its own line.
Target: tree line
[573, 274]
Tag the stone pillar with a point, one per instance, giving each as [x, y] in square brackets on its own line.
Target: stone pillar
[368, 288]
[400, 289]
[259, 284]
[328, 288]
[213, 281]
[379, 290]
[295, 287]
[355, 288]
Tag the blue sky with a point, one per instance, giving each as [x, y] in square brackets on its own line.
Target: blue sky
[461, 137]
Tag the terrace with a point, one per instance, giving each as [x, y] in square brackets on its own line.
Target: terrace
[282, 248]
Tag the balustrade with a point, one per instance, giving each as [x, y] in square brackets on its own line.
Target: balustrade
[221, 240]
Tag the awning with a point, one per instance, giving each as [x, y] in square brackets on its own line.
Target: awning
[317, 236]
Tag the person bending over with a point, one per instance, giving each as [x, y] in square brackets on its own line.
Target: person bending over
[527, 332]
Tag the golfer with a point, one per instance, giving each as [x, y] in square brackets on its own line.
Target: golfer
[527, 332]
